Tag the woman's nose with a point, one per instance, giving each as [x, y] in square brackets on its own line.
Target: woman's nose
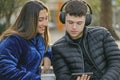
[45, 22]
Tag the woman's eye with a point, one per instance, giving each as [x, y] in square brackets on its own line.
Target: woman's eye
[40, 20]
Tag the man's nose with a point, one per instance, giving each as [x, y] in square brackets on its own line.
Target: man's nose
[74, 25]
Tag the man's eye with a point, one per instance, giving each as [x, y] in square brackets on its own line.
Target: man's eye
[79, 23]
[70, 22]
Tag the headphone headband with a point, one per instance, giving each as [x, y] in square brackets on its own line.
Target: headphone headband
[63, 5]
[89, 8]
[63, 14]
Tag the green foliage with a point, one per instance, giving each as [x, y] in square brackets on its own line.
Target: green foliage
[44, 1]
[7, 8]
[95, 5]
[2, 28]
[118, 3]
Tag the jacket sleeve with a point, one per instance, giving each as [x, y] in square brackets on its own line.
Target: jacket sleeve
[112, 54]
[10, 51]
[48, 53]
[59, 66]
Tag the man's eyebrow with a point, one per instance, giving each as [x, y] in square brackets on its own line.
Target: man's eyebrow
[74, 21]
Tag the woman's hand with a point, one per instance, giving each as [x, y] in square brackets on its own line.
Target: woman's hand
[83, 77]
[46, 64]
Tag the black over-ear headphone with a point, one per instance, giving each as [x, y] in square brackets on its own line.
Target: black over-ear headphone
[88, 16]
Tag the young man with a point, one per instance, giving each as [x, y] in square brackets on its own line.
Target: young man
[85, 49]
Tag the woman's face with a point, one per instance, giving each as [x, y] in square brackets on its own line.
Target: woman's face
[42, 21]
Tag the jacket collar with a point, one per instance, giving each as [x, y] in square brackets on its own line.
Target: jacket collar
[36, 39]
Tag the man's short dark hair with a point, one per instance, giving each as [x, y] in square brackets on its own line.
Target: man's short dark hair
[76, 8]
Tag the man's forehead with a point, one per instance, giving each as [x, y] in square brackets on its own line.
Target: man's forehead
[75, 19]
[73, 16]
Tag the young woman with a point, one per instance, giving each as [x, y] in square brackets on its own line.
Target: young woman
[25, 44]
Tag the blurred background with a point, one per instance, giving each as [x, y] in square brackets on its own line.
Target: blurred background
[106, 13]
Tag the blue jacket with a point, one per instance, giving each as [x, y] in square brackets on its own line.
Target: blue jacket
[20, 58]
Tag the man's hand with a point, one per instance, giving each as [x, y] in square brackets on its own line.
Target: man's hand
[83, 77]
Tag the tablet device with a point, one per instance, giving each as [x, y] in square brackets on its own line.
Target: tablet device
[74, 75]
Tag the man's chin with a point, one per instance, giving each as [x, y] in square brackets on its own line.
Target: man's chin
[73, 37]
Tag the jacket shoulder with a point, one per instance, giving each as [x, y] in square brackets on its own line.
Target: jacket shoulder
[98, 30]
[98, 33]
[11, 40]
[61, 41]
[13, 37]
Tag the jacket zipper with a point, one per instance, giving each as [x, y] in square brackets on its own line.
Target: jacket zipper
[81, 54]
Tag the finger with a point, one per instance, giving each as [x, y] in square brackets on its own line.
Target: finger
[45, 69]
[78, 78]
[82, 77]
[47, 64]
[41, 63]
[47, 61]
[85, 77]
[88, 78]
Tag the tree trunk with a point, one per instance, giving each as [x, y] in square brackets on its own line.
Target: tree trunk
[106, 17]
[7, 24]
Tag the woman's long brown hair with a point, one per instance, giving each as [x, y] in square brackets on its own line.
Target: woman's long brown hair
[26, 23]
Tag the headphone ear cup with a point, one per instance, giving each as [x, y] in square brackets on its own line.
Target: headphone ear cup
[88, 19]
[62, 17]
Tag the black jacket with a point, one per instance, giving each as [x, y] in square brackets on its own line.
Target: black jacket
[101, 49]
